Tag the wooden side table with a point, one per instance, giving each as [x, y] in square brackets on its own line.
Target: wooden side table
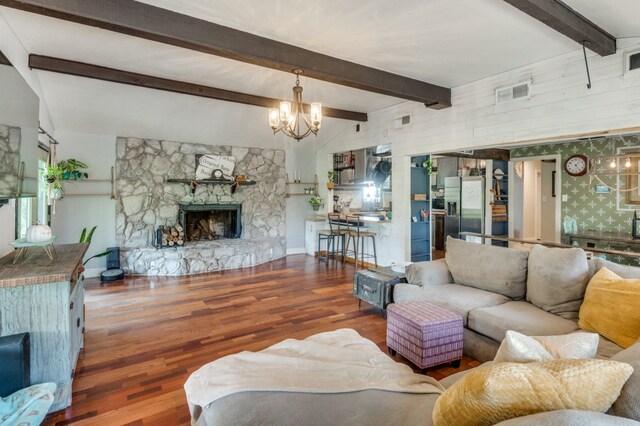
[375, 286]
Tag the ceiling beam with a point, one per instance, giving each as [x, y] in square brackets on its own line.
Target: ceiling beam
[481, 154]
[80, 69]
[568, 22]
[164, 26]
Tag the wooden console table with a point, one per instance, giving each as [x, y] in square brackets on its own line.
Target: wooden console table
[45, 297]
[551, 244]
[591, 238]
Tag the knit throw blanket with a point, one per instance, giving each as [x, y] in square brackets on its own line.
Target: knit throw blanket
[334, 362]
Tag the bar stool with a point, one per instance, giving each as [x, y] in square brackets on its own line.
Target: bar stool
[357, 233]
[339, 231]
[332, 237]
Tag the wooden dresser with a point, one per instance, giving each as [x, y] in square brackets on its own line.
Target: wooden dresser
[46, 298]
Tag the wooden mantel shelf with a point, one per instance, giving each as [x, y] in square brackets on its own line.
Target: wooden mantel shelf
[193, 183]
[212, 182]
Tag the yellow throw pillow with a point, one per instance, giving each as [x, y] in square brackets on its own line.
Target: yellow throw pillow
[611, 308]
[506, 390]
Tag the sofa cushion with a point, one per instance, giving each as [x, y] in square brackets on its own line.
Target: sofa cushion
[612, 308]
[520, 316]
[607, 349]
[557, 279]
[516, 347]
[458, 298]
[568, 418]
[506, 390]
[428, 273]
[497, 269]
[624, 271]
[628, 403]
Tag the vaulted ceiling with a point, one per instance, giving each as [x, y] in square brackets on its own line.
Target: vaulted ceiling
[444, 42]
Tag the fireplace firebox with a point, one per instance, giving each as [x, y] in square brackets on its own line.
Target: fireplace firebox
[202, 222]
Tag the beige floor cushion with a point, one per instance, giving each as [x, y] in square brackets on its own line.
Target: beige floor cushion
[522, 317]
[458, 298]
[491, 268]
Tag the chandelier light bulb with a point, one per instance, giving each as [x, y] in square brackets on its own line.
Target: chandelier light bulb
[613, 163]
[627, 163]
[316, 114]
[285, 111]
[274, 118]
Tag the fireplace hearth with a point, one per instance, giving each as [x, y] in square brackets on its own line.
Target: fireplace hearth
[205, 222]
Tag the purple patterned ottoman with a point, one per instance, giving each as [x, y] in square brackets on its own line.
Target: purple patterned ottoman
[424, 333]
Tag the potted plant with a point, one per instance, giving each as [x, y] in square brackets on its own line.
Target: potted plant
[331, 175]
[53, 177]
[85, 237]
[428, 166]
[315, 202]
[71, 169]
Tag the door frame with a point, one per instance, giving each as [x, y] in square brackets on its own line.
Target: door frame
[512, 174]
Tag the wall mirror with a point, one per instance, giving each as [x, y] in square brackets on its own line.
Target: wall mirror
[19, 107]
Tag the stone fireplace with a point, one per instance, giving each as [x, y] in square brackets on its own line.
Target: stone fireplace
[206, 222]
[244, 227]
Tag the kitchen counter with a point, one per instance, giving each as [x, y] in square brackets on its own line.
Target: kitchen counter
[36, 267]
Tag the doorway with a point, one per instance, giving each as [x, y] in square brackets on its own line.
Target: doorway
[536, 199]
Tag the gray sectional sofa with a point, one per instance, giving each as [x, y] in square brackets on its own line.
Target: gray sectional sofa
[536, 293]
[495, 289]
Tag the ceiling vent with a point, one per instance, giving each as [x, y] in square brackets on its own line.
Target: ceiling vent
[511, 93]
[399, 122]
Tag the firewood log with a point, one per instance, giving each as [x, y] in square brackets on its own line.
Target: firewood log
[179, 228]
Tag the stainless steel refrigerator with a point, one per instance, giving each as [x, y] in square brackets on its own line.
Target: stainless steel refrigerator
[464, 204]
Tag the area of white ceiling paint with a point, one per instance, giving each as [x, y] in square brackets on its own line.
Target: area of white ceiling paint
[620, 18]
[441, 41]
[122, 110]
[445, 42]
[67, 40]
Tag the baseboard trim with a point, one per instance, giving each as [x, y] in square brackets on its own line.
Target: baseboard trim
[299, 250]
[92, 272]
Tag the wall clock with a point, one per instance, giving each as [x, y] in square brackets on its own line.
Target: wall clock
[576, 165]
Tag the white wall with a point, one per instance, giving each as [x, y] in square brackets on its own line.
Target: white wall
[300, 157]
[530, 198]
[560, 107]
[75, 213]
[7, 227]
[548, 203]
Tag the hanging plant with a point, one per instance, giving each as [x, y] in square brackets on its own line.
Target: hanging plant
[53, 177]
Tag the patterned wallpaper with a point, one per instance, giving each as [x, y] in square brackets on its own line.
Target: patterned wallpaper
[598, 212]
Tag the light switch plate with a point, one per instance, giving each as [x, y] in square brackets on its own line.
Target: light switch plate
[565, 198]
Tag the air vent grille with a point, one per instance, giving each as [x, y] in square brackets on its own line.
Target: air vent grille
[518, 91]
[399, 122]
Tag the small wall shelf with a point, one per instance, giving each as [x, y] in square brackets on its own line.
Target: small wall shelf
[112, 182]
[288, 184]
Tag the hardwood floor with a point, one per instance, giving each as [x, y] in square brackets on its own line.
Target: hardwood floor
[144, 336]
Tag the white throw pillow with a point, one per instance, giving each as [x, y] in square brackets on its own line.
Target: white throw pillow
[517, 347]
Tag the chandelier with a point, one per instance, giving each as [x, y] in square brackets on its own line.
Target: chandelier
[288, 118]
